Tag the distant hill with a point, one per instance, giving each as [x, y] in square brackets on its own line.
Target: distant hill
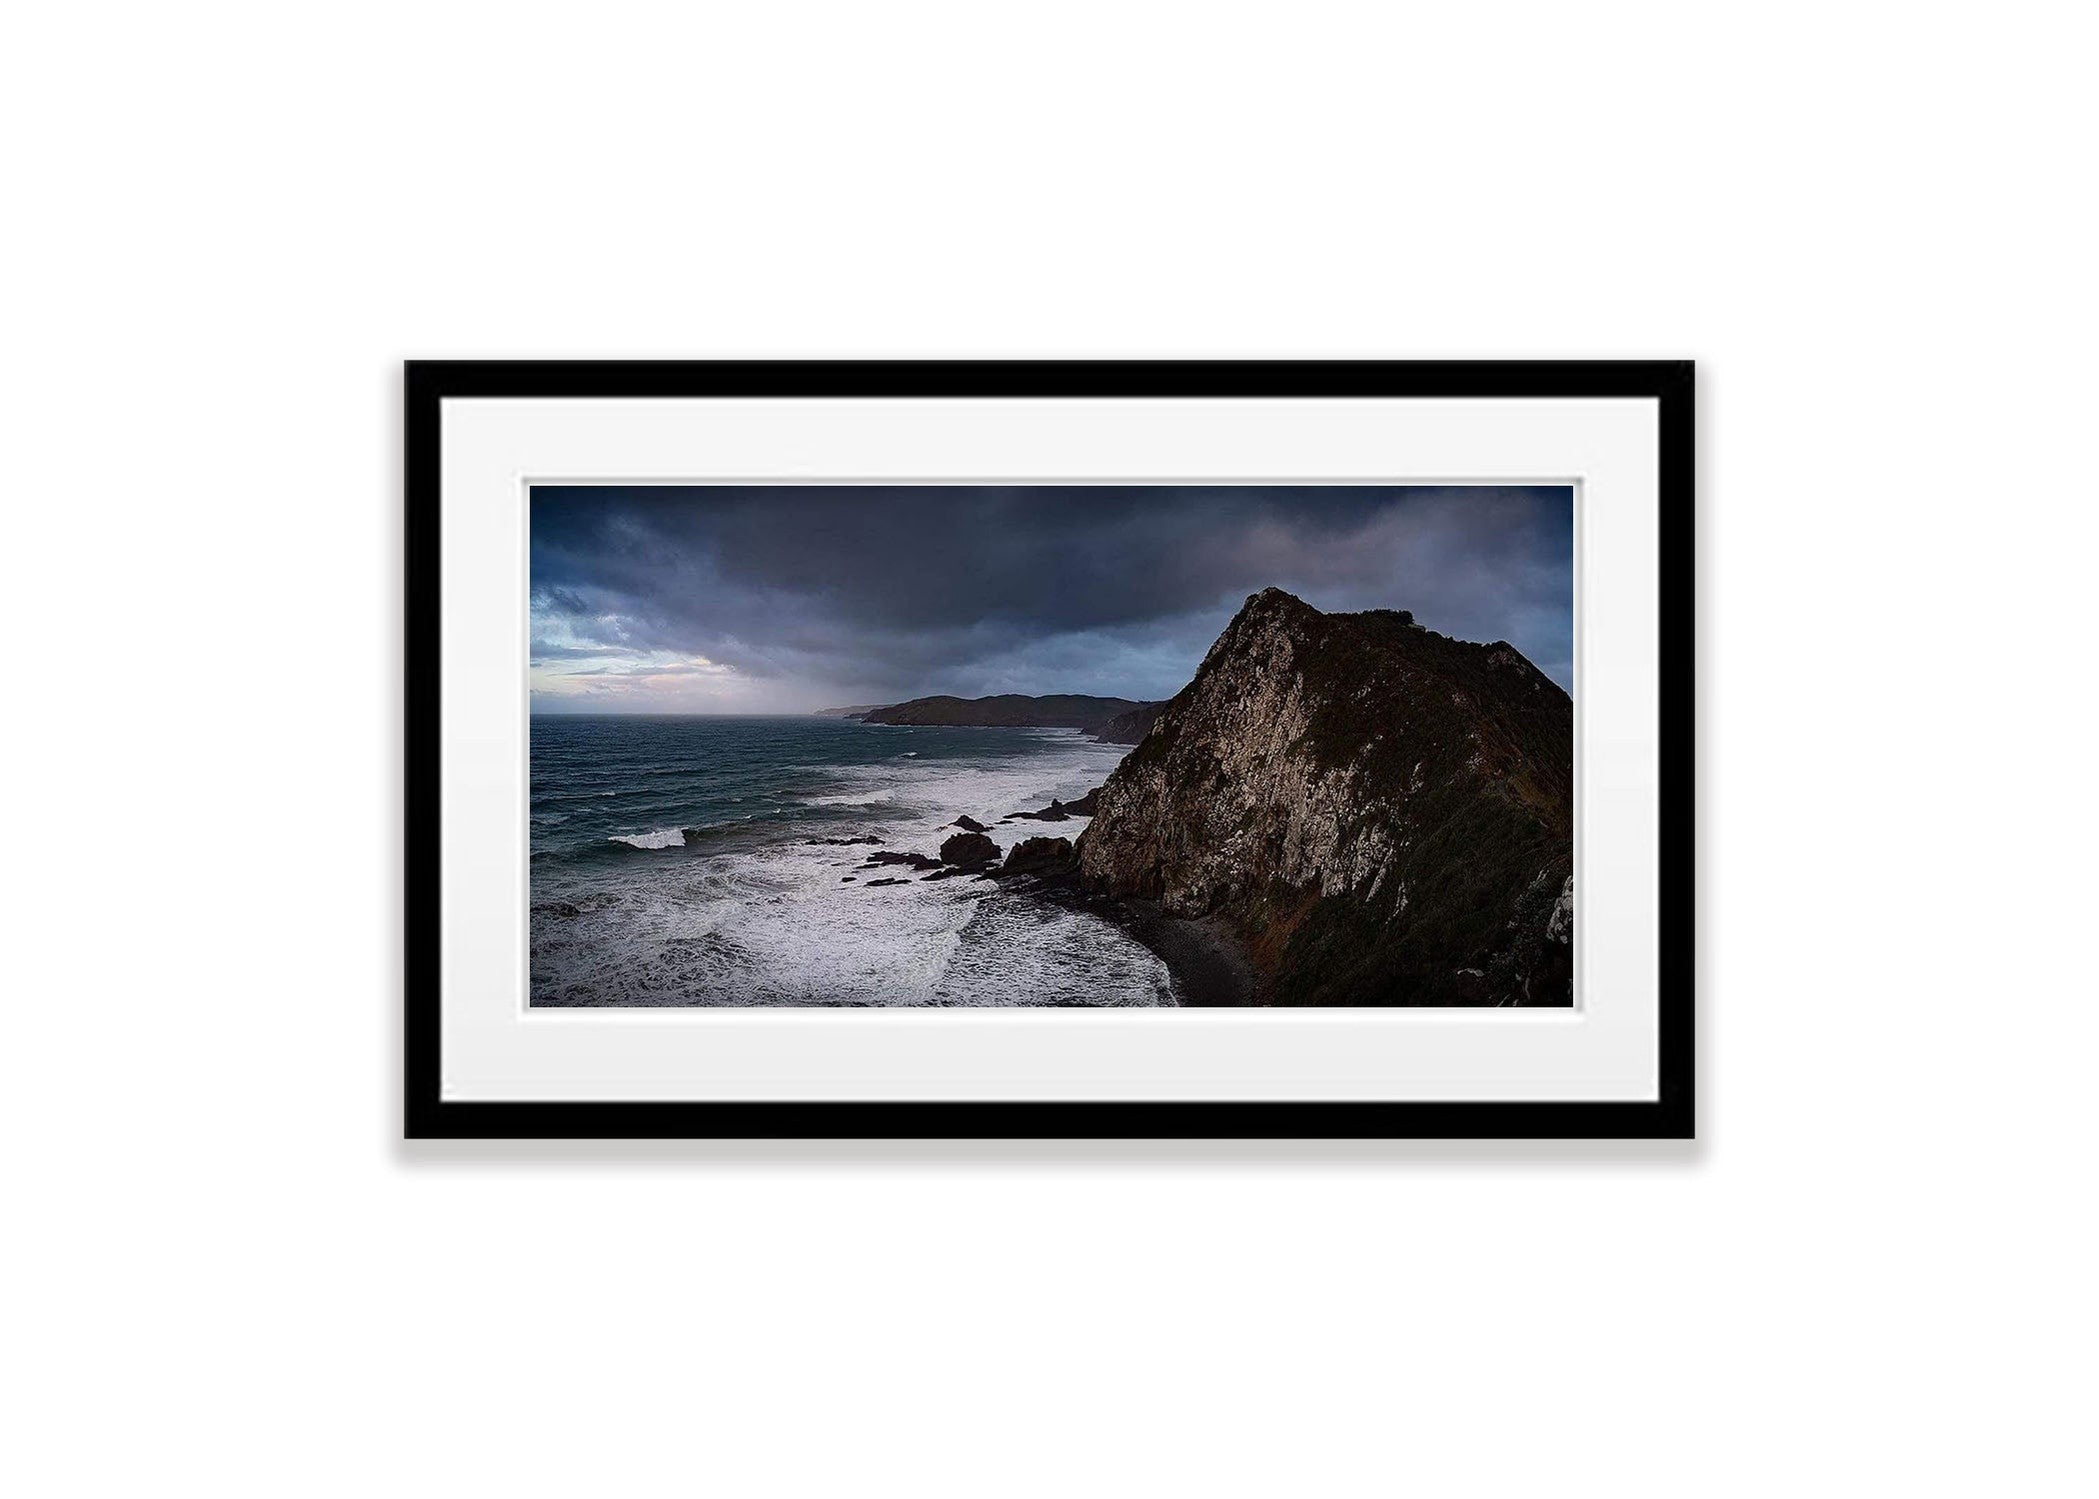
[856, 712]
[1010, 711]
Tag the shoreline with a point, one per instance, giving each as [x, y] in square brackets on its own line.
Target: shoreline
[1210, 966]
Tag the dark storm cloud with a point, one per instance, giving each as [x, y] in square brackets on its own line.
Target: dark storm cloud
[793, 597]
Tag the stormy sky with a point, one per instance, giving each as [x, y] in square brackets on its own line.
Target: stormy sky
[789, 598]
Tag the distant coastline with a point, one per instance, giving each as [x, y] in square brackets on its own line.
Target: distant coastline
[1112, 720]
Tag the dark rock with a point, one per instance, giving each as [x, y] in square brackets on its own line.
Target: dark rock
[968, 850]
[1130, 727]
[872, 883]
[845, 879]
[841, 842]
[969, 824]
[1384, 814]
[1044, 857]
[1058, 811]
[915, 861]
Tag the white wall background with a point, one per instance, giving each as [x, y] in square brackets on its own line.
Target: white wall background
[228, 223]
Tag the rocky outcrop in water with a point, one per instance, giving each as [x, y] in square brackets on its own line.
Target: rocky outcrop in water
[968, 850]
[1058, 811]
[1382, 814]
[912, 861]
[1045, 858]
[965, 853]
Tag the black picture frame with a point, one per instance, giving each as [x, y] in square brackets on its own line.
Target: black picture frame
[429, 383]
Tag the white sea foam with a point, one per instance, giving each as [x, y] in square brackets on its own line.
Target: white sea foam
[660, 838]
[780, 924]
[1015, 946]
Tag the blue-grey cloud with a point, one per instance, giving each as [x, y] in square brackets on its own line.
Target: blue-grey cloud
[782, 598]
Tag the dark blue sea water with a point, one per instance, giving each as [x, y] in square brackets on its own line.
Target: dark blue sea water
[672, 865]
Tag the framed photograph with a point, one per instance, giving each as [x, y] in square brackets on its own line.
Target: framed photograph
[1049, 749]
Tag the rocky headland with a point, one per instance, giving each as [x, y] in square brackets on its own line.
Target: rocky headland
[1378, 813]
[1339, 809]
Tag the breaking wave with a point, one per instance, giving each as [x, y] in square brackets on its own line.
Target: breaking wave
[718, 905]
[660, 838]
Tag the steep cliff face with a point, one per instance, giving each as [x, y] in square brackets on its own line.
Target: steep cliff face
[1384, 814]
[1130, 727]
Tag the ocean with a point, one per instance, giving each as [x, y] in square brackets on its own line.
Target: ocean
[672, 865]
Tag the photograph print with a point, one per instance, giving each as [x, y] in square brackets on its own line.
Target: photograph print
[1051, 745]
